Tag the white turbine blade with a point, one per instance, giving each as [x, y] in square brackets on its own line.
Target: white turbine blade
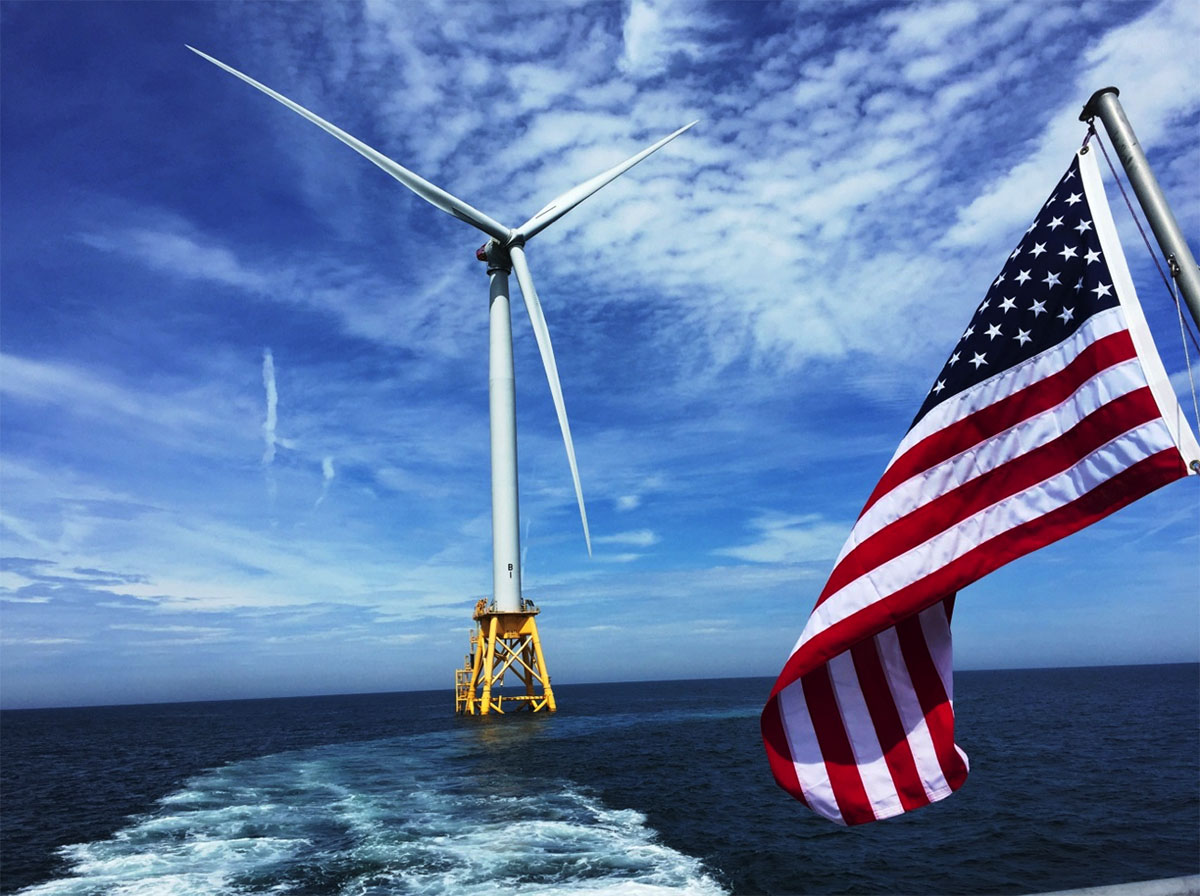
[562, 204]
[538, 319]
[429, 192]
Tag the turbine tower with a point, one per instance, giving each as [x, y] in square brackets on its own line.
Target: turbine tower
[506, 636]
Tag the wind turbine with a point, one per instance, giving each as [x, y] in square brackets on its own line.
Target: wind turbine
[507, 635]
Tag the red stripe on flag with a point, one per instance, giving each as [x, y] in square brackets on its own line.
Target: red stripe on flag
[834, 743]
[1022, 472]
[1109, 496]
[889, 729]
[935, 703]
[1005, 413]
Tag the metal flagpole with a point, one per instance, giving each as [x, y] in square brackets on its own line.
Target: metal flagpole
[1105, 106]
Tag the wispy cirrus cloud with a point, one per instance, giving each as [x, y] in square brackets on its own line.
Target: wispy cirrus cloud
[640, 538]
[788, 539]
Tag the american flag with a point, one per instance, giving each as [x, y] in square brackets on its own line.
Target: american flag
[1052, 411]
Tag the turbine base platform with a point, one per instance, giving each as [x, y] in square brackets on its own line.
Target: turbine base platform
[503, 642]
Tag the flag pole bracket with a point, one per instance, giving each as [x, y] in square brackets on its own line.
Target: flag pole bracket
[1091, 109]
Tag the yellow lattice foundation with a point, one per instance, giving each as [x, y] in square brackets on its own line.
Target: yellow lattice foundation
[503, 643]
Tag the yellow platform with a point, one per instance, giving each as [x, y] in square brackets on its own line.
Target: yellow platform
[502, 643]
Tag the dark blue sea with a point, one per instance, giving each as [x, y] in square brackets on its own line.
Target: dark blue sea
[1079, 777]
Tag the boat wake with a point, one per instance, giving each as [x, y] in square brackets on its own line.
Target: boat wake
[380, 817]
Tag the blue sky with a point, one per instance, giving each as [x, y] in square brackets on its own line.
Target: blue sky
[244, 422]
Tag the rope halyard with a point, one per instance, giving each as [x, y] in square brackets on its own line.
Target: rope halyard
[1187, 358]
[1171, 283]
[1129, 205]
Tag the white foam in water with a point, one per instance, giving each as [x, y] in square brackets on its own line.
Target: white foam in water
[372, 819]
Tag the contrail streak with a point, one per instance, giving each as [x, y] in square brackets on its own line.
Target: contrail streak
[268, 375]
[327, 474]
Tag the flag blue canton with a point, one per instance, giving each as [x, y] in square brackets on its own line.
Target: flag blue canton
[1053, 281]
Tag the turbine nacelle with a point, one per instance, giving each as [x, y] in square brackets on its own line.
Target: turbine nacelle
[495, 255]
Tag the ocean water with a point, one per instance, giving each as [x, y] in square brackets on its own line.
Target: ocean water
[1080, 777]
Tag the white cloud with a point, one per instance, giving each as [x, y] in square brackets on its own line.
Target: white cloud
[181, 253]
[179, 415]
[26, 532]
[790, 539]
[641, 538]
[627, 557]
[930, 26]
[652, 33]
[365, 304]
